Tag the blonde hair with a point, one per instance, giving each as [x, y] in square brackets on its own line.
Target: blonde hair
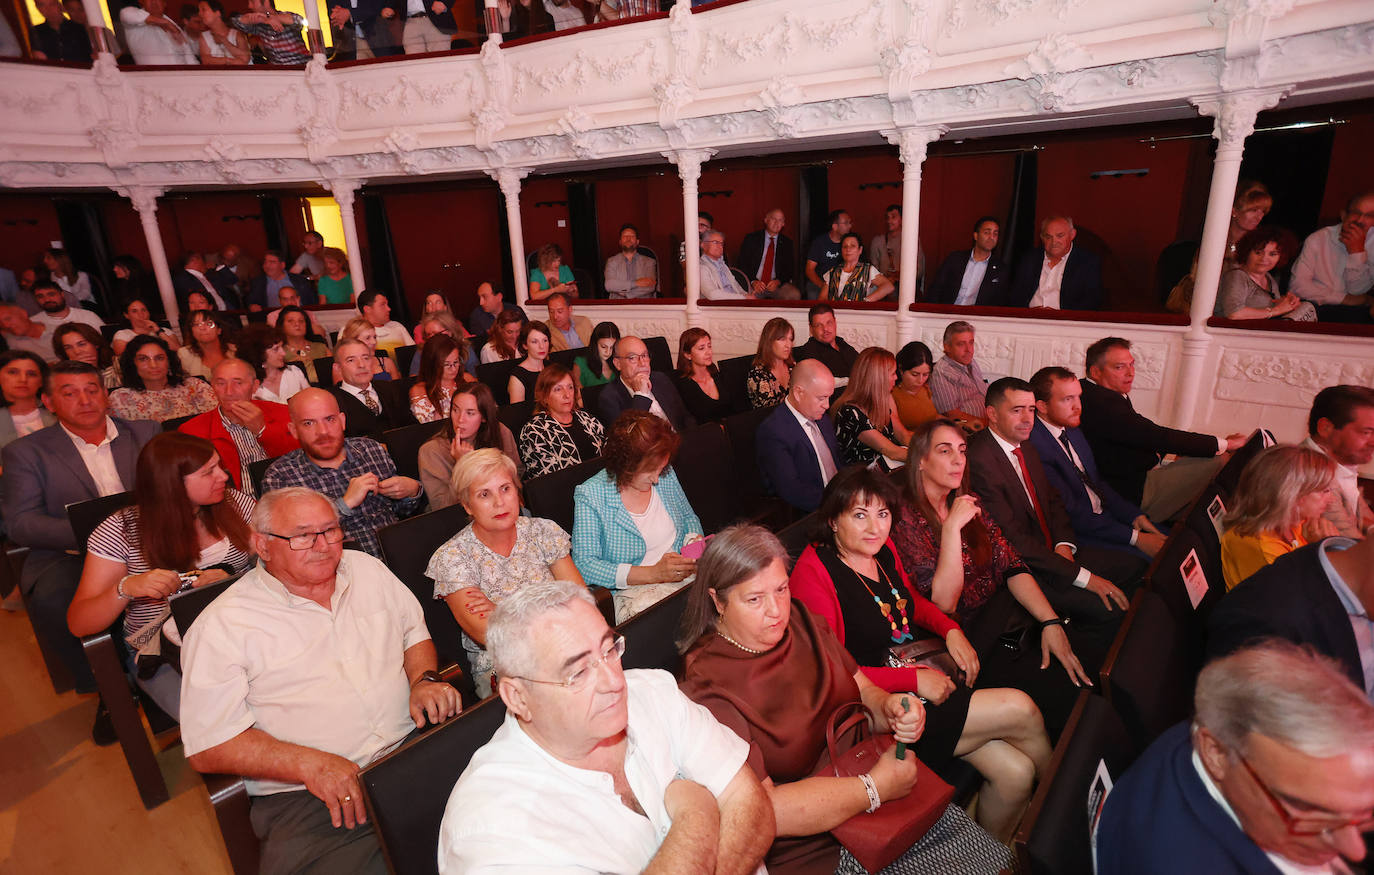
[1266, 499]
[476, 466]
[354, 327]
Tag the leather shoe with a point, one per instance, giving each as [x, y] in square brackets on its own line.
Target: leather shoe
[103, 732]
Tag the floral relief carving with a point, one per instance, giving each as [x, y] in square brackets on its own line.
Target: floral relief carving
[220, 102]
[1044, 69]
[998, 11]
[787, 37]
[578, 72]
[407, 94]
[779, 102]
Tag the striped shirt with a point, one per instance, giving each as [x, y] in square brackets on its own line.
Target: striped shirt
[283, 46]
[250, 449]
[118, 540]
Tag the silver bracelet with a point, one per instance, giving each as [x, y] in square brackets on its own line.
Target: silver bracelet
[119, 588]
[872, 790]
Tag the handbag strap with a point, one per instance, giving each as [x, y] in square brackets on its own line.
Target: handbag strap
[843, 719]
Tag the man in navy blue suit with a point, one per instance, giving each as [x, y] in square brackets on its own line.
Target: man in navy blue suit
[1275, 775]
[796, 447]
[1057, 275]
[640, 388]
[1097, 512]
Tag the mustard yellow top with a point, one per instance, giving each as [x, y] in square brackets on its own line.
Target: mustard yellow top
[1243, 555]
[913, 410]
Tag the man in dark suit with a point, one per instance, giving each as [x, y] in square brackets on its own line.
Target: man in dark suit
[640, 388]
[796, 448]
[192, 278]
[263, 292]
[1057, 275]
[972, 276]
[1129, 447]
[1316, 596]
[370, 407]
[1275, 774]
[369, 27]
[769, 259]
[825, 345]
[86, 455]
[243, 429]
[1100, 516]
[1006, 473]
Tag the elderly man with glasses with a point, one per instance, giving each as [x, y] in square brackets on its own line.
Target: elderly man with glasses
[717, 282]
[640, 387]
[1274, 775]
[597, 769]
[311, 666]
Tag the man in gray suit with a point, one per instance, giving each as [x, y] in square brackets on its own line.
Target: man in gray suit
[87, 454]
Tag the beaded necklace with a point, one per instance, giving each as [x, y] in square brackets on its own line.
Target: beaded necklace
[903, 634]
[737, 644]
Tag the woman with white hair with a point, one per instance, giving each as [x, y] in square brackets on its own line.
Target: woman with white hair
[498, 552]
[1279, 503]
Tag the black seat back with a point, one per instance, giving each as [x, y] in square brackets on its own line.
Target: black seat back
[1168, 576]
[591, 395]
[703, 470]
[796, 536]
[177, 422]
[1229, 476]
[257, 470]
[651, 634]
[733, 372]
[496, 377]
[408, 789]
[188, 605]
[404, 445]
[1149, 672]
[748, 482]
[324, 371]
[1055, 835]
[407, 546]
[568, 357]
[551, 497]
[660, 354]
[84, 516]
[514, 416]
[405, 357]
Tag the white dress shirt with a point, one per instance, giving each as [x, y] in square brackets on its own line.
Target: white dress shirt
[209, 288]
[99, 459]
[654, 407]
[151, 44]
[1051, 277]
[518, 808]
[329, 679]
[1010, 450]
[50, 322]
[1347, 482]
[1325, 271]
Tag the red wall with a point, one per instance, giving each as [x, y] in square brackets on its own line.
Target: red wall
[955, 191]
[457, 227]
[543, 204]
[1350, 171]
[867, 208]
[28, 225]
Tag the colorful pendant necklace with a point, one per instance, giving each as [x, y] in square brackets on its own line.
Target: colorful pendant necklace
[903, 634]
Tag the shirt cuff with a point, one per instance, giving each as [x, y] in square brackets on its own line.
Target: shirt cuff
[1221, 445]
[343, 509]
[1081, 581]
[622, 575]
[1134, 535]
[1073, 548]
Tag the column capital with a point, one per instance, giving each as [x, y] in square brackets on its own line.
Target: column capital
[1235, 112]
[143, 197]
[689, 162]
[509, 179]
[343, 189]
[913, 141]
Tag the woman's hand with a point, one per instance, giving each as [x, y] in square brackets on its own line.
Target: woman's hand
[905, 722]
[211, 575]
[458, 448]
[1054, 640]
[961, 512]
[963, 654]
[933, 685]
[673, 568]
[1287, 304]
[894, 778]
[156, 584]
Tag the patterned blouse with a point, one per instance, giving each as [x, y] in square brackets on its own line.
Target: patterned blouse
[850, 422]
[546, 445]
[918, 546]
[424, 410]
[763, 387]
[190, 398]
[464, 561]
[855, 287]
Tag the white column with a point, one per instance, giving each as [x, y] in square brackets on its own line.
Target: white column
[314, 37]
[913, 143]
[689, 163]
[509, 180]
[1235, 121]
[145, 201]
[101, 38]
[344, 191]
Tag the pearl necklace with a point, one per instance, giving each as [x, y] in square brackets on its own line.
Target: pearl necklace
[737, 644]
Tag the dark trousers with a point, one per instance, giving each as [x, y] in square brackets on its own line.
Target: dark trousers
[48, 584]
[297, 836]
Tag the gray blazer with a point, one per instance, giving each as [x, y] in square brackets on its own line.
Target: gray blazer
[7, 433]
[44, 473]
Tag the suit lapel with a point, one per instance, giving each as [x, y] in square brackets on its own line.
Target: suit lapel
[60, 443]
[125, 449]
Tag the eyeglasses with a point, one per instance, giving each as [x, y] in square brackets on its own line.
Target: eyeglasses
[1307, 824]
[306, 540]
[634, 357]
[452, 365]
[578, 678]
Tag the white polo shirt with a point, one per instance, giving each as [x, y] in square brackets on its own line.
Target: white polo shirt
[261, 658]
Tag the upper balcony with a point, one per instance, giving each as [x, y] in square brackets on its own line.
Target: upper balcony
[737, 78]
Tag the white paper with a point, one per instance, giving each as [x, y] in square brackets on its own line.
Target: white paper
[1194, 580]
[1216, 511]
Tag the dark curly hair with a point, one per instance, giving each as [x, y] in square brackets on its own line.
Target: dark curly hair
[130, 371]
[635, 440]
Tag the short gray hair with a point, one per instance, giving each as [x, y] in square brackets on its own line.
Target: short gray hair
[477, 466]
[262, 519]
[1288, 693]
[509, 642]
[953, 328]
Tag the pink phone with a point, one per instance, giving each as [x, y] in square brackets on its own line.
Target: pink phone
[696, 548]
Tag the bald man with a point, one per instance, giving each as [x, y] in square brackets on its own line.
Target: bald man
[640, 388]
[243, 429]
[796, 447]
[356, 474]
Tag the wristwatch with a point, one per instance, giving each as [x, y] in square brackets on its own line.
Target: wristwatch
[431, 676]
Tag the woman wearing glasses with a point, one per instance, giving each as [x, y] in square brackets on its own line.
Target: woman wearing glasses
[441, 374]
[497, 552]
[186, 528]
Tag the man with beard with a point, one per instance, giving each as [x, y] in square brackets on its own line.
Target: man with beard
[630, 273]
[54, 309]
[356, 474]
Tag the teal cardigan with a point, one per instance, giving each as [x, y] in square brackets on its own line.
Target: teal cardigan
[604, 537]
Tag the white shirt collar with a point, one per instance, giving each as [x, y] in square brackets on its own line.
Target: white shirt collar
[111, 432]
[1002, 442]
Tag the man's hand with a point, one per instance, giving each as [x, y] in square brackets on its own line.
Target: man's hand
[640, 382]
[1150, 543]
[1235, 441]
[963, 654]
[1352, 236]
[758, 287]
[1055, 641]
[339, 16]
[359, 488]
[433, 700]
[246, 414]
[438, 8]
[253, 18]
[645, 282]
[388, 12]
[398, 487]
[1143, 523]
[1065, 551]
[334, 781]
[1107, 591]
[1312, 530]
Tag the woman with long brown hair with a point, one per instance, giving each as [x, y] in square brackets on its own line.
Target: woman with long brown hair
[767, 380]
[472, 425]
[503, 341]
[441, 374]
[203, 344]
[867, 427]
[698, 378]
[186, 529]
[77, 341]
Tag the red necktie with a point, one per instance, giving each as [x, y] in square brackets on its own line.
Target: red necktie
[767, 273]
[1035, 499]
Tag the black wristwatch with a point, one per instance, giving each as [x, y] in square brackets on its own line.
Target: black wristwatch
[1054, 621]
[431, 676]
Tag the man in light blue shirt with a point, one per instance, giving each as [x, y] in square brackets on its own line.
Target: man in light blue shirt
[717, 282]
[971, 276]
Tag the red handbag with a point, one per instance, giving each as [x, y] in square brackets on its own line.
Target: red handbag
[877, 839]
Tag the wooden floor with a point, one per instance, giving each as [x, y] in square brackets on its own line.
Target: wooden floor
[69, 806]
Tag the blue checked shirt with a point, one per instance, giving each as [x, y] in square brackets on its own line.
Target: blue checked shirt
[361, 456]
